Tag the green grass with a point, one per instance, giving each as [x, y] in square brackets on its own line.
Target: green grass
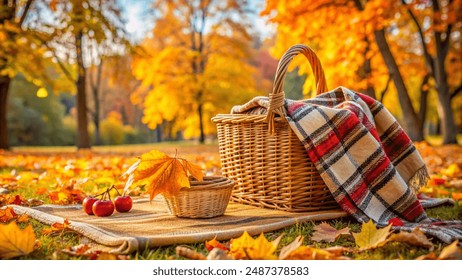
[50, 247]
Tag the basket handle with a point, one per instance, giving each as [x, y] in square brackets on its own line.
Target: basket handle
[276, 103]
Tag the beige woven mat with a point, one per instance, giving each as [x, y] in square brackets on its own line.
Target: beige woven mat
[150, 224]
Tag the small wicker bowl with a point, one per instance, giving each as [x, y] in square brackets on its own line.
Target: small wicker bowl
[204, 199]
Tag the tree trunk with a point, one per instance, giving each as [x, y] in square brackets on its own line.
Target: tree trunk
[366, 71]
[411, 122]
[7, 13]
[4, 86]
[83, 139]
[96, 118]
[423, 101]
[96, 89]
[445, 112]
[201, 123]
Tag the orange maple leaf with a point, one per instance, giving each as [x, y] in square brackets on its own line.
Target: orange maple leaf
[7, 214]
[57, 228]
[24, 218]
[162, 173]
[209, 245]
[17, 199]
[456, 196]
[41, 190]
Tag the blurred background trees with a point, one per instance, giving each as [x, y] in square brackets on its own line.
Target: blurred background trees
[114, 71]
[366, 44]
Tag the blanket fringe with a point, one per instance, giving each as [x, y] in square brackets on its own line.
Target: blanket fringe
[419, 179]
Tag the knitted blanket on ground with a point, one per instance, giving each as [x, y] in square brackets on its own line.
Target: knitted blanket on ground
[365, 158]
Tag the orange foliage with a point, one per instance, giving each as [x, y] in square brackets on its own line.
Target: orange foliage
[162, 173]
[343, 35]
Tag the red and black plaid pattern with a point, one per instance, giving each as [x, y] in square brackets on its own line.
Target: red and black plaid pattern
[365, 158]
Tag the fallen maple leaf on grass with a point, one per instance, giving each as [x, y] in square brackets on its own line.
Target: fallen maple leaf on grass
[247, 248]
[450, 252]
[414, 238]
[8, 214]
[85, 250]
[297, 251]
[15, 242]
[370, 237]
[311, 253]
[210, 245]
[57, 228]
[325, 232]
[162, 173]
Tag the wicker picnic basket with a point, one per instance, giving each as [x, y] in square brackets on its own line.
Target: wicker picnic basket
[204, 199]
[264, 157]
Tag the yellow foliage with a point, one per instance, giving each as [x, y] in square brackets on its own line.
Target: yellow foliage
[15, 242]
[245, 247]
[371, 237]
[187, 80]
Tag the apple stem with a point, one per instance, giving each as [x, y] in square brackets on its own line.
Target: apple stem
[113, 187]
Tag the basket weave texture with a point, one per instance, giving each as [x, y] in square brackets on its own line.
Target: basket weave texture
[204, 199]
[266, 159]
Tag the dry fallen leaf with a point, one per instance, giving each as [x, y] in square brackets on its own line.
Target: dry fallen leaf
[452, 170]
[218, 254]
[295, 251]
[247, 248]
[325, 232]
[7, 214]
[414, 238]
[105, 256]
[78, 250]
[188, 253]
[15, 242]
[210, 245]
[57, 228]
[310, 253]
[24, 218]
[287, 250]
[370, 237]
[162, 173]
[451, 252]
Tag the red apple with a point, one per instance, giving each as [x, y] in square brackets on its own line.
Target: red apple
[87, 204]
[123, 203]
[103, 208]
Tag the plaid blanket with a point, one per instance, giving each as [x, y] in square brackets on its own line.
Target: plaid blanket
[365, 158]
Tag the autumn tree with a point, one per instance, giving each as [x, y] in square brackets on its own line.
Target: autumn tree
[365, 44]
[34, 30]
[438, 40]
[111, 83]
[196, 63]
[79, 26]
[20, 52]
